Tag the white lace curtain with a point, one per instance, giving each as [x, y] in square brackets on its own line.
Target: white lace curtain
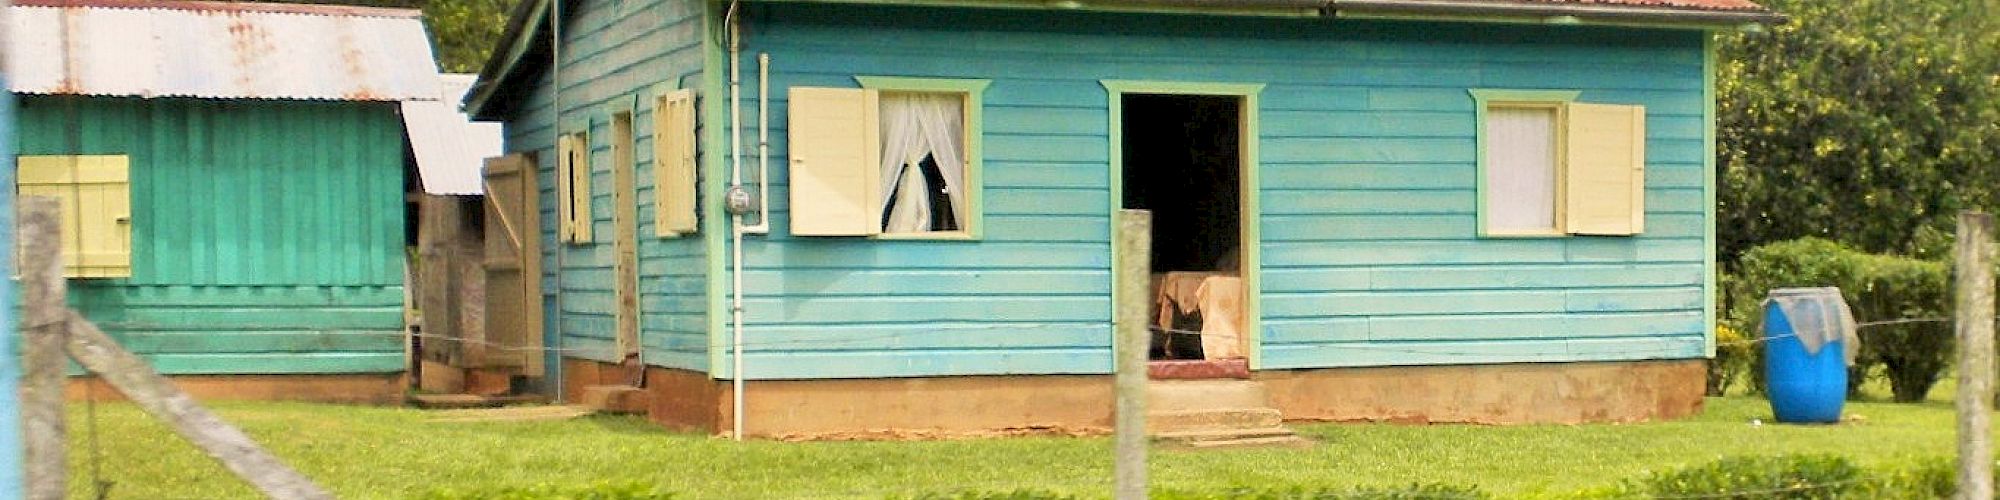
[916, 125]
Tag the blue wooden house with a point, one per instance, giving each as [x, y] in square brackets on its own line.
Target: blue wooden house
[897, 215]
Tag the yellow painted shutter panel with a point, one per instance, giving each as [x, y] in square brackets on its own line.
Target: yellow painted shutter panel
[673, 163]
[563, 167]
[104, 217]
[1605, 161]
[835, 162]
[580, 185]
[55, 177]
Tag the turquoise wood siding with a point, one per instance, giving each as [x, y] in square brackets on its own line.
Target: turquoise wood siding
[267, 236]
[1370, 254]
[612, 51]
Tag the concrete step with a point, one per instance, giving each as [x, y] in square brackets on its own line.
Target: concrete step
[1292, 441]
[1186, 395]
[1228, 418]
[452, 401]
[511, 414]
[1219, 438]
[616, 399]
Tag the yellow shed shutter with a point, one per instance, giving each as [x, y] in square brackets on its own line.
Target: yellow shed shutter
[673, 163]
[835, 162]
[95, 195]
[1605, 153]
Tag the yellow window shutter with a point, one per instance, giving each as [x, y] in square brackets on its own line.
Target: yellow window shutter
[1605, 162]
[580, 185]
[563, 166]
[835, 162]
[94, 192]
[673, 163]
[104, 217]
[577, 195]
[55, 177]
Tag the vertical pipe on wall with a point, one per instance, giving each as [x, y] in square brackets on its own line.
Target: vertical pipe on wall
[763, 225]
[555, 101]
[736, 224]
[10, 370]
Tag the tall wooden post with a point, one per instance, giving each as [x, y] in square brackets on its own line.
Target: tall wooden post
[1975, 355]
[1134, 238]
[43, 318]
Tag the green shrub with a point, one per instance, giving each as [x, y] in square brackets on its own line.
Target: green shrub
[1410, 492]
[1780, 477]
[1876, 287]
[548, 491]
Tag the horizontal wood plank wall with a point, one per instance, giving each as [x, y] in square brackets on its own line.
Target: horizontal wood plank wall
[617, 50]
[1369, 240]
[267, 236]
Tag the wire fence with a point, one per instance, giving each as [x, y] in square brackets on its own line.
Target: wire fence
[886, 340]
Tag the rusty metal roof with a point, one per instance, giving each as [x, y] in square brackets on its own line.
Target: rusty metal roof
[450, 148]
[218, 50]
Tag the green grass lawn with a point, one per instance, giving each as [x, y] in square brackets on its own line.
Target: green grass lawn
[366, 452]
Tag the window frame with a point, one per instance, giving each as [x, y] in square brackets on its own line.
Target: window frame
[972, 90]
[1555, 100]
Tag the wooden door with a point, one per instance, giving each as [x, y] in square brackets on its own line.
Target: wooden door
[625, 244]
[513, 265]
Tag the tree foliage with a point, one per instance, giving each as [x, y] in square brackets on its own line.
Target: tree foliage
[462, 32]
[1868, 122]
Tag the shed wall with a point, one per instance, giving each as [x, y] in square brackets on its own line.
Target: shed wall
[267, 236]
[611, 51]
[1369, 245]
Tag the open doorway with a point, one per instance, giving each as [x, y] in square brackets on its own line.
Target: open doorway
[1183, 160]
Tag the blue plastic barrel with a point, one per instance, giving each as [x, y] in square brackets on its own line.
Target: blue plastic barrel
[1804, 387]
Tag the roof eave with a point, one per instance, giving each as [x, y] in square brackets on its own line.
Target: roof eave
[1544, 12]
[520, 37]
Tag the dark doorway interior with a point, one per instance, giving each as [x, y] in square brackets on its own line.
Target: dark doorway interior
[1182, 162]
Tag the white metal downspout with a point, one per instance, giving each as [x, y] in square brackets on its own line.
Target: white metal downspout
[736, 223]
[555, 55]
[763, 225]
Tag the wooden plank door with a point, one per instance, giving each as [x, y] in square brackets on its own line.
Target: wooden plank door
[625, 244]
[513, 264]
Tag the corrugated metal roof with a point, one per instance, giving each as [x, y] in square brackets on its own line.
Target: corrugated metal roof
[218, 50]
[449, 146]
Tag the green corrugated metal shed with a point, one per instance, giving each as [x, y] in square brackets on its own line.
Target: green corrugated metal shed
[266, 181]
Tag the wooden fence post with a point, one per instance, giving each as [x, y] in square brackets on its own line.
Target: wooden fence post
[98, 353]
[1135, 250]
[1975, 355]
[43, 333]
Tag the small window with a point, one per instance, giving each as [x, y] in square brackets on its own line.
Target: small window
[923, 162]
[573, 187]
[95, 194]
[898, 158]
[673, 163]
[1551, 167]
[1522, 169]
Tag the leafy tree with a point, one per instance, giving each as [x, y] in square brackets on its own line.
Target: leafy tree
[1869, 122]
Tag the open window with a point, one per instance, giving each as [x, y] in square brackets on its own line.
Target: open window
[1552, 167]
[898, 158]
[94, 192]
[573, 187]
